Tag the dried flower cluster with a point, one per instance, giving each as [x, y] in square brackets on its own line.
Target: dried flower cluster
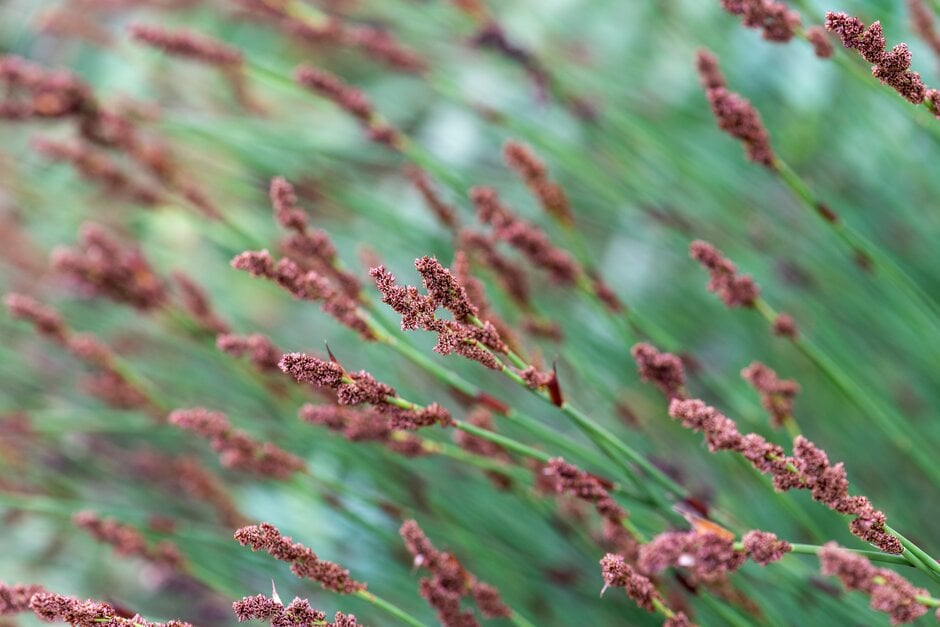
[481, 417]
[262, 353]
[617, 573]
[109, 384]
[305, 285]
[354, 388]
[365, 425]
[444, 212]
[566, 478]
[889, 592]
[816, 35]
[708, 557]
[776, 394]
[891, 68]
[777, 21]
[530, 168]
[304, 562]
[297, 613]
[188, 475]
[450, 582]
[197, 303]
[34, 92]
[185, 43]
[525, 237]
[923, 24]
[808, 468]
[734, 290]
[464, 335]
[14, 598]
[735, 114]
[311, 248]
[101, 266]
[127, 541]
[236, 449]
[57, 607]
[507, 272]
[785, 326]
[96, 166]
[350, 100]
[664, 370]
[376, 42]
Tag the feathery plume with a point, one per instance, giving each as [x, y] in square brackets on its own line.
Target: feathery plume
[891, 68]
[304, 562]
[236, 449]
[889, 592]
[734, 290]
[764, 547]
[735, 114]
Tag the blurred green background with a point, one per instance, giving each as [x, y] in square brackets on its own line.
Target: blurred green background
[649, 174]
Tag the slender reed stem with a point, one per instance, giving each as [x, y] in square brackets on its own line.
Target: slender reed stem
[389, 608]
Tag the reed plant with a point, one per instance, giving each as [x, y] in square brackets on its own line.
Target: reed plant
[578, 312]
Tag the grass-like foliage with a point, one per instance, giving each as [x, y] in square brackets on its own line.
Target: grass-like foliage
[464, 311]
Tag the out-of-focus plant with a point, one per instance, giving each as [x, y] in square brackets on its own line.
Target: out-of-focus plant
[523, 393]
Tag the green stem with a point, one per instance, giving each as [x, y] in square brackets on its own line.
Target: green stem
[389, 608]
[888, 421]
[857, 243]
[909, 547]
